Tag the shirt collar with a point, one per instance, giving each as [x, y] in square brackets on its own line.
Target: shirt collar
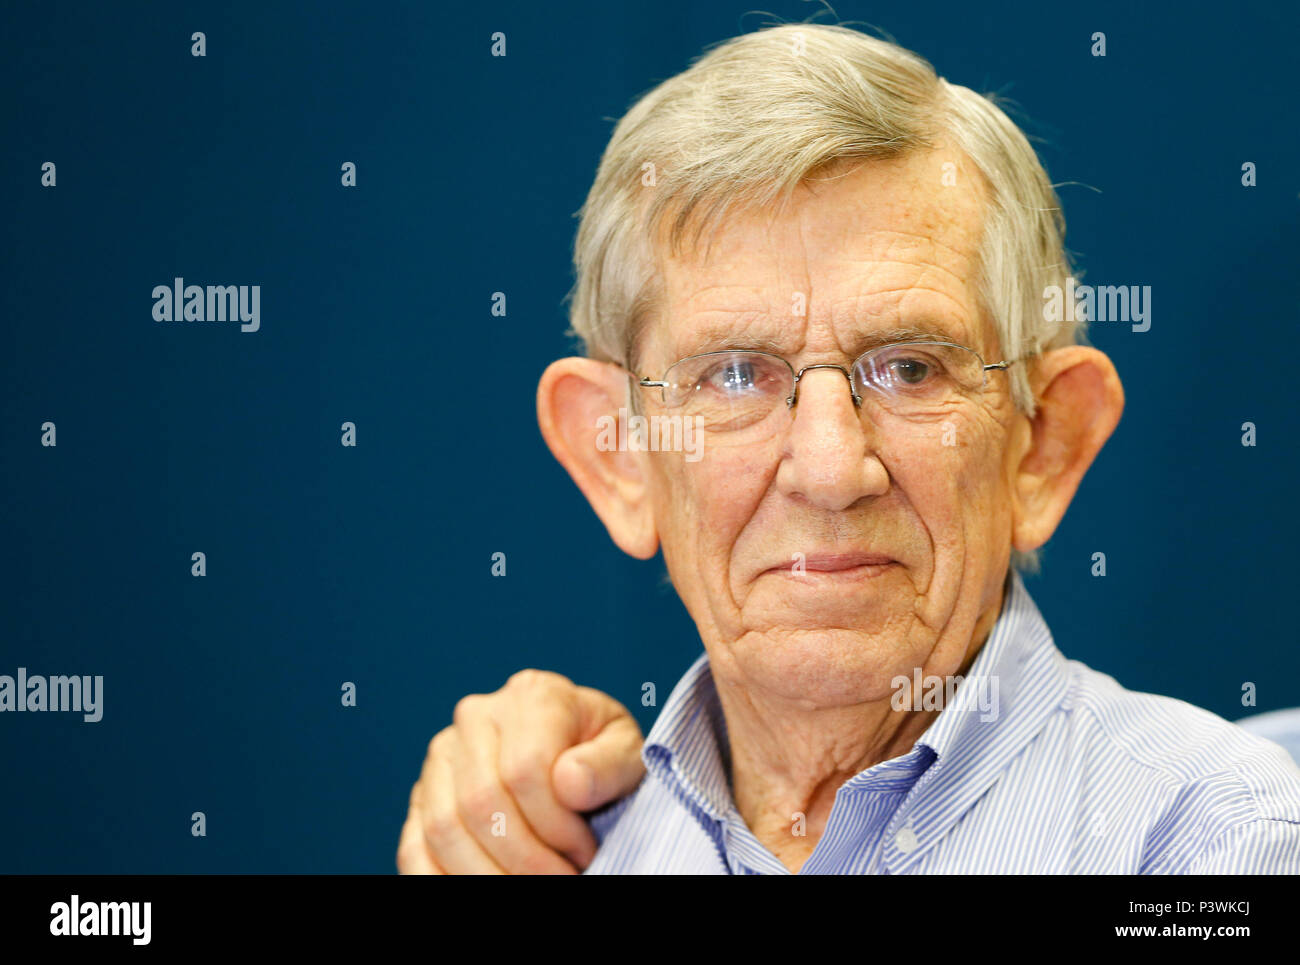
[688, 748]
[1017, 668]
[1014, 683]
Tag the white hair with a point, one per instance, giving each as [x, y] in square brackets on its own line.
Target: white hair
[750, 120]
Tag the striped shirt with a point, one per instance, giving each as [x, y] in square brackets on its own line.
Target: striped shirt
[1072, 774]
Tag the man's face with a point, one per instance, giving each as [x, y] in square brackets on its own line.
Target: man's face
[904, 528]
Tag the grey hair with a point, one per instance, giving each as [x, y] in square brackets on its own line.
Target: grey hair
[750, 120]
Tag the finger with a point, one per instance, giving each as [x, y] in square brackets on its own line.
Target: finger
[606, 766]
[413, 857]
[488, 810]
[531, 740]
[452, 846]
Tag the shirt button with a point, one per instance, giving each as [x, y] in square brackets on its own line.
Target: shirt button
[906, 840]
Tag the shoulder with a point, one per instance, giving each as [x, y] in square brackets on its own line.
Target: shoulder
[1217, 797]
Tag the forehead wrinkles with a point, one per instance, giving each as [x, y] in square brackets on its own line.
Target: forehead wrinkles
[844, 301]
[949, 250]
[892, 248]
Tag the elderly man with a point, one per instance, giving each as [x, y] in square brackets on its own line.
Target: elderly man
[830, 264]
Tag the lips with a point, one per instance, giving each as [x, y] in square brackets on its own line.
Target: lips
[848, 564]
[836, 562]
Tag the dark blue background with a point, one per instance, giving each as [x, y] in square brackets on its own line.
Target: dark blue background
[372, 564]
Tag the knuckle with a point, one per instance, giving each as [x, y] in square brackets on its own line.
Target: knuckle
[536, 862]
[533, 679]
[406, 857]
[466, 707]
[441, 827]
[439, 746]
[436, 742]
[524, 773]
[478, 803]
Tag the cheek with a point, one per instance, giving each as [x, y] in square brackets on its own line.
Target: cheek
[702, 507]
[953, 478]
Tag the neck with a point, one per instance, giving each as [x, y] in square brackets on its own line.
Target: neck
[788, 760]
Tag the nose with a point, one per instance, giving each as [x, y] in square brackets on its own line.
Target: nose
[829, 458]
[794, 396]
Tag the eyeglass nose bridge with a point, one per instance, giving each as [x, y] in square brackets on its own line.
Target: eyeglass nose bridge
[794, 395]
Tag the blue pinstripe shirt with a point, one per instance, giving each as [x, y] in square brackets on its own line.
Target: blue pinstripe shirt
[1074, 774]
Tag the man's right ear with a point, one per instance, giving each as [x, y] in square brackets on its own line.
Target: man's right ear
[578, 408]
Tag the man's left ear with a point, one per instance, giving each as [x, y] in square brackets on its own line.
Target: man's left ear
[1079, 404]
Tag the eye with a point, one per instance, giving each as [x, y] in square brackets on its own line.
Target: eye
[910, 371]
[737, 377]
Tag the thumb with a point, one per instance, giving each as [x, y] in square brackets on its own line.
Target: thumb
[607, 763]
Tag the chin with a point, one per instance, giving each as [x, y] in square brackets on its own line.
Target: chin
[829, 614]
[825, 666]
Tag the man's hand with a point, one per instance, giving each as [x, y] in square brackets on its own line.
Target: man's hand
[523, 761]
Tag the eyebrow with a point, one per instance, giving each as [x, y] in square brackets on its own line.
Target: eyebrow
[864, 342]
[923, 333]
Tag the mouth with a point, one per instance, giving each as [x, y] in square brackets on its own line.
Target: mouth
[835, 566]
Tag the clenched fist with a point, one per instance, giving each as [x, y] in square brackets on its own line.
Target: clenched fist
[502, 788]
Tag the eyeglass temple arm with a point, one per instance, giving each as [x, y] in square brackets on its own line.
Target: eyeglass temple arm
[1001, 365]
